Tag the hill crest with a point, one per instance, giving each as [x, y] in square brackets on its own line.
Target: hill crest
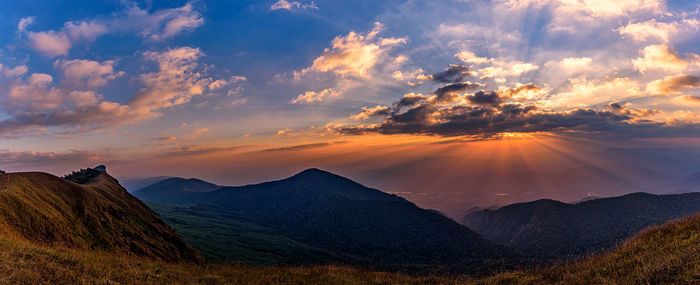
[97, 215]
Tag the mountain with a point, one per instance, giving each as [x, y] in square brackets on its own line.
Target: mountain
[94, 214]
[548, 229]
[329, 219]
[174, 190]
[132, 184]
[666, 254]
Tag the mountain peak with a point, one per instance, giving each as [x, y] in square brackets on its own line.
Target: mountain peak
[314, 171]
[174, 190]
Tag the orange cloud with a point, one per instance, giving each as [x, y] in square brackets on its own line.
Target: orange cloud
[672, 84]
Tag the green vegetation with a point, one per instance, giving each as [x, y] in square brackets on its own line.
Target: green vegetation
[548, 229]
[223, 238]
[83, 176]
[316, 217]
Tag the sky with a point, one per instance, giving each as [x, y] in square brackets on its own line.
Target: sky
[450, 103]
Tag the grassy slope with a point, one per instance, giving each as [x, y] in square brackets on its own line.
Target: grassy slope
[101, 215]
[25, 263]
[664, 254]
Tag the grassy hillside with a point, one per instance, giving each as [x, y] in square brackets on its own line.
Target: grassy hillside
[99, 215]
[548, 229]
[25, 263]
[667, 254]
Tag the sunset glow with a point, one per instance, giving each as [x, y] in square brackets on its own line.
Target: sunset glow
[451, 103]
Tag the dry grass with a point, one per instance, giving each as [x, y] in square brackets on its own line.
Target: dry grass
[667, 254]
[25, 263]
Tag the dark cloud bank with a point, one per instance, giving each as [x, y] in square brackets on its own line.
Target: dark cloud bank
[449, 113]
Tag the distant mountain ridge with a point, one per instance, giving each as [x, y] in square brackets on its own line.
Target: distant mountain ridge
[97, 214]
[333, 220]
[549, 229]
[175, 190]
[132, 184]
[664, 254]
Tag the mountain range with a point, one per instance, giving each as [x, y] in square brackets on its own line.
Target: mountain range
[548, 229]
[86, 228]
[316, 217]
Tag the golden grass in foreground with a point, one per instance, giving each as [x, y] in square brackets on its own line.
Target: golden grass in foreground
[666, 254]
[24, 263]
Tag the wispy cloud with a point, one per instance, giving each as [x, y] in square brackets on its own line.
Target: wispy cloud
[157, 26]
[292, 5]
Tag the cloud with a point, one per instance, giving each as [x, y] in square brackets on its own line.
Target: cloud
[16, 71]
[470, 57]
[454, 73]
[488, 120]
[450, 92]
[486, 114]
[303, 146]
[24, 22]
[660, 57]
[354, 54]
[85, 30]
[314, 97]
[670, 85]
[196, 133]
[286, 5]
[527, 91]
[15, 159]
[175, 82]
[571, 65]
[582, 92]
[498, 68]
[485, 98]
[470, 31]
[687, 100]
[594, 8]
[370, 112]
[194, 150]
[409, 99]
[569, 16]
[648, 30]
[502, 69]
[87, 73]
[159, 25]
[165, 139]
[50, 43]
[221, 83]
[72, 105]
